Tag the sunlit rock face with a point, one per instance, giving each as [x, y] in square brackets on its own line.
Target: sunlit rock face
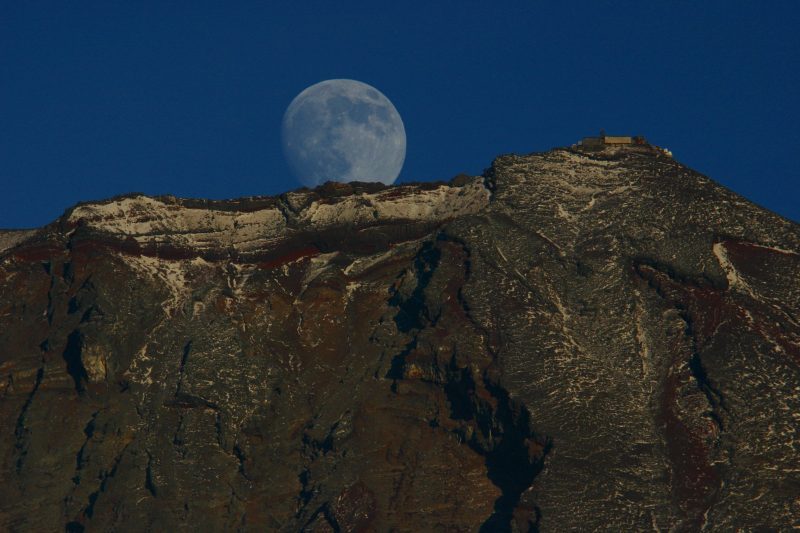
[571, 341]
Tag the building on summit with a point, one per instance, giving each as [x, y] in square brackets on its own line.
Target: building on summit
[611, 140]
[604, 141]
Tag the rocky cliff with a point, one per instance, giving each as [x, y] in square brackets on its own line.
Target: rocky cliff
[574, 340]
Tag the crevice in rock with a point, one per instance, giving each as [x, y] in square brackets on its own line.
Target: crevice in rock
[698, 371]
[51, 308]
[68, 271]
[177, 440]
[677, 291]
[88, 431]
[692, 431]
[148, 476]
[218, 429]
[325, 512]
[187, 348]
[306, 491]
[674, 273]
[313, 448]
[515, 457]
[184, 400]
[72, 356]
[21, 433]
[460, 391]
[398, 362]
[498, 428]
[240, 455]
[319, 447]
[482, 413]
[74, 527]
[412, 311]
[72, 305]
[289, 214]
[185, 356]
[105, 478]
[90, 313]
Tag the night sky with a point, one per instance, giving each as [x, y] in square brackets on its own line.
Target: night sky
[186, 98]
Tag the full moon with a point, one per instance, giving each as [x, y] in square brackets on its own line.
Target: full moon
[343, 130]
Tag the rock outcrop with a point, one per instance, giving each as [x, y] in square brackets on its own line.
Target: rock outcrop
[574, 340]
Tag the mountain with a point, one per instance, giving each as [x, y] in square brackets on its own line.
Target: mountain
[576, 339]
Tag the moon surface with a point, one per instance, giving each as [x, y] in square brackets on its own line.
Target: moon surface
[343, 130]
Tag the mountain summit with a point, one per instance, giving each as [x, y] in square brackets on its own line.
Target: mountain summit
[577, 339]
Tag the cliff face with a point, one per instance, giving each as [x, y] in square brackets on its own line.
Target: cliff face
[573, 340]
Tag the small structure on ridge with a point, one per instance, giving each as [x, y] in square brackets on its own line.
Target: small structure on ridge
[603, 142]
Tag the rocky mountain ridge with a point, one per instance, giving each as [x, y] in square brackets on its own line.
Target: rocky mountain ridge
[574, 340]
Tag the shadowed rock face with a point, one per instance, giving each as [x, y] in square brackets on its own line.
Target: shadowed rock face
[572, 341]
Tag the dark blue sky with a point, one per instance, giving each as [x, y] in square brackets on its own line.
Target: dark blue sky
[186, 98]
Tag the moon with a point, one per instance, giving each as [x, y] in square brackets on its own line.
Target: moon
[343, 130]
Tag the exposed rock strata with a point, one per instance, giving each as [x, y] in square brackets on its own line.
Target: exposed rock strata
[572, 341]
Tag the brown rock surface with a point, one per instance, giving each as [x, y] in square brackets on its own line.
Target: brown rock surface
[572, 341]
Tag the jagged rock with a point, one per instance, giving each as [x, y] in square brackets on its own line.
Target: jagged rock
[574, 340]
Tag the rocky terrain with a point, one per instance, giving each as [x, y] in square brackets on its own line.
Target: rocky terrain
[572, 341]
